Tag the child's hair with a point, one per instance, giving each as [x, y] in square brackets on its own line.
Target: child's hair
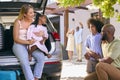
[97, 23]
[37, 18]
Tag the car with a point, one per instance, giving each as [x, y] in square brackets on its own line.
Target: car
[9, 10]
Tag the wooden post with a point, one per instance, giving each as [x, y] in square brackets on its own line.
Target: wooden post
[66, 25]
[100, 15]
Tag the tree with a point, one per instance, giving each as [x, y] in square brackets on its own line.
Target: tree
[106, 6]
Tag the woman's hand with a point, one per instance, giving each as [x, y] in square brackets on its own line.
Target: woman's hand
[39, 34]
[31, 41]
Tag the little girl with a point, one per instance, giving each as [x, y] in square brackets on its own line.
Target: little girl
[35, 29]
[70, 43]
[93, 44]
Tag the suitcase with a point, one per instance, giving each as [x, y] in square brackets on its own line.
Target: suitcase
[9, 75]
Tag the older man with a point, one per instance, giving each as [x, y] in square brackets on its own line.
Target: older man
[78, 41]
[109, 66]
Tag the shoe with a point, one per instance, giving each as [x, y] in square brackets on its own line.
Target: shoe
[49, 55]
[79, 60]
[30, 57]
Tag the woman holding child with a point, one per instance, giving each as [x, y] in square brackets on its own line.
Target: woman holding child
[21, 26]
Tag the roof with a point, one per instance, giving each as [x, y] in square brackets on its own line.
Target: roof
[12, 7]
[55, 9]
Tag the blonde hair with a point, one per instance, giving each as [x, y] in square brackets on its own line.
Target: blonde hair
[24, 9]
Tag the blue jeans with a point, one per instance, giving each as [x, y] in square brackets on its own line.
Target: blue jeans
[20, 50]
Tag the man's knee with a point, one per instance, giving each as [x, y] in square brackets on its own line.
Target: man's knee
[99, 65]
[87, 78]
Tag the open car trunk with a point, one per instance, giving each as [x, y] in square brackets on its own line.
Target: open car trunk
[12, 7]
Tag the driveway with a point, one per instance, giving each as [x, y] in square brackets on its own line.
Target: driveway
[73, 70]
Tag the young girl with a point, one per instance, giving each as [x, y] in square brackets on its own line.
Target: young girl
[93, 44]
[70, 43]
[34, 29]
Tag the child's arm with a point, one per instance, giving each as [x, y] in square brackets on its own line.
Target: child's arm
[43, 40]
[87, 54]
[88, 50]
[68, 33]
[93, 54]
[45, 36]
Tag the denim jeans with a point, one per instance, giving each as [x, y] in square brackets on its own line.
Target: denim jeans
[20, 51]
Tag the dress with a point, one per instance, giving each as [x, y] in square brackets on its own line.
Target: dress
[70, 42]
[30, 35]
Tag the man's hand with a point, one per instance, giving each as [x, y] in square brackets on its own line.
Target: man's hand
[106, 60]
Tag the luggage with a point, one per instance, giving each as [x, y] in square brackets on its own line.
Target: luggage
[9, 75]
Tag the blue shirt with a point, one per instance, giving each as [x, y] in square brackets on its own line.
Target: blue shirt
[78, 36]
[93, 42]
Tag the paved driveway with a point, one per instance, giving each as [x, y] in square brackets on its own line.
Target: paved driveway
[73, 70]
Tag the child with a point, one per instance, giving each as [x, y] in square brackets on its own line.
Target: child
[70, 43]
[33, 33]
[93, 44]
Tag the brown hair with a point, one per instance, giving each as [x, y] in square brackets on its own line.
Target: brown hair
[97, 23]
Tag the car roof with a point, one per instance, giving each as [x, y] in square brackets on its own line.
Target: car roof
[12, 7]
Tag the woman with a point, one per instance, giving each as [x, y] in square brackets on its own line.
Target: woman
[70, 43]
[21, 25]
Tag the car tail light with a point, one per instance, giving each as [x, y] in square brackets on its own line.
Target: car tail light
[56, 36]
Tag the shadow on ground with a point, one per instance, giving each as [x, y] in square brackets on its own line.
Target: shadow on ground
[64, 52]
[73, 78]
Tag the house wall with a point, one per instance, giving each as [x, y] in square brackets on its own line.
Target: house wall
[114, 22]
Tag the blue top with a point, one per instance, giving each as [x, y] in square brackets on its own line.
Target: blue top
[93, 42]
[78, 36]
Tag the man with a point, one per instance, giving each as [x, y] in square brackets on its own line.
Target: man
[78, 41]
[108, 67]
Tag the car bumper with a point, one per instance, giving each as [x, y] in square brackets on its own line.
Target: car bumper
[52, 69]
